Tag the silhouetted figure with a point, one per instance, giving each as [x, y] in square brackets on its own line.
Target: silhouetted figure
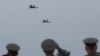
[91, 46]
[49, 46]
[12, 49]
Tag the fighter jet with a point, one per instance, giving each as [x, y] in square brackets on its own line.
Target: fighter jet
[33, 6]
[46, 21]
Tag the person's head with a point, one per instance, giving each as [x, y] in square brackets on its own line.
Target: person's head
[12, 49]
[90, 44]
[48, 46]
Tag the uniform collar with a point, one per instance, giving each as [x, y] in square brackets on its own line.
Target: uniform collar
[93, 54]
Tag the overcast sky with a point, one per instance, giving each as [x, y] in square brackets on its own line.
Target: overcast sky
[71, 22]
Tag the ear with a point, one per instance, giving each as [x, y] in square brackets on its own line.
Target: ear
[86, 48]
[96, 47]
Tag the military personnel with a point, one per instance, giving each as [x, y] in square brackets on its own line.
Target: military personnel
[12, 49]
[91, 46]
[49, 46]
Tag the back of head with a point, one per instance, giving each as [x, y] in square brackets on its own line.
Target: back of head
[48, 45]
[12, 49]
[91, 44]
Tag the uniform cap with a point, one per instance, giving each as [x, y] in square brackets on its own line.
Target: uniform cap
[90, 41]
[48, 44]
[13, 47]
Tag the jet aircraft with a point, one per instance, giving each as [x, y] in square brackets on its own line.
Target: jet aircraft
[33, 6]
[46, 21]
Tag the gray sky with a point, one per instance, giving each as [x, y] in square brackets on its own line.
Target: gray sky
[71, 22]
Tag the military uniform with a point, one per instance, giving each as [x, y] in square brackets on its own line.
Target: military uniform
[50, 44]
[13, 48]
[91, 42]
[93, 54]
